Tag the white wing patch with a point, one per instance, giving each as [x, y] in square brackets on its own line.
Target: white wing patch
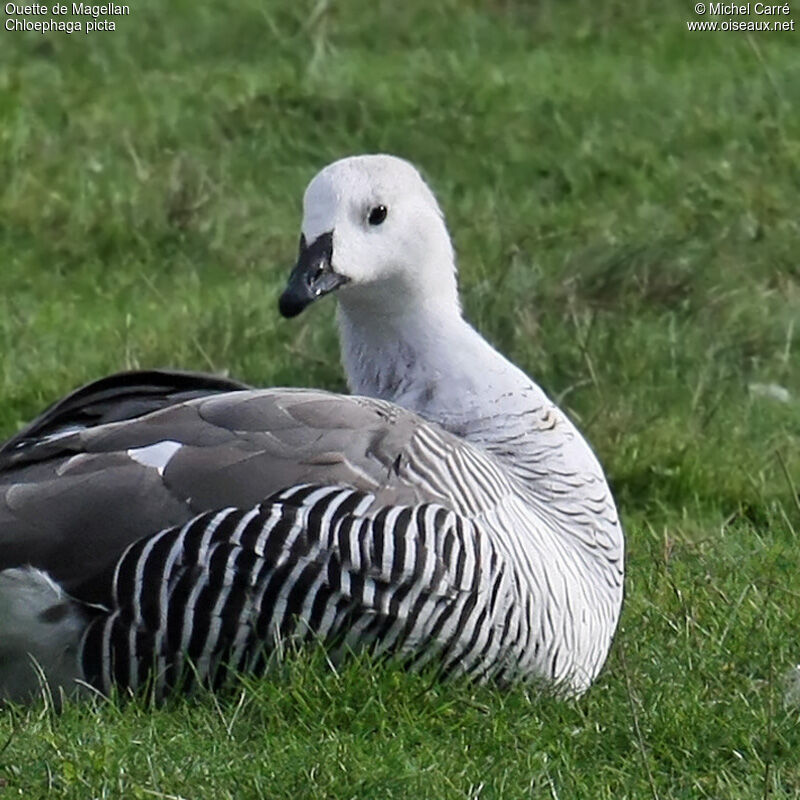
[156, 455]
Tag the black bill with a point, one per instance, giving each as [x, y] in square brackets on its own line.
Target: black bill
[312, 277]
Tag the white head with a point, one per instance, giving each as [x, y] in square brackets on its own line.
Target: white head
[372, 230]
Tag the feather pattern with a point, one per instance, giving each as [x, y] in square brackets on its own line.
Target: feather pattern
[446, 512]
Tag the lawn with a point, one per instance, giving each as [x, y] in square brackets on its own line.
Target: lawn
[623, 195]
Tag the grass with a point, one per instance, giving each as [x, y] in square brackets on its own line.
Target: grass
[623, 197]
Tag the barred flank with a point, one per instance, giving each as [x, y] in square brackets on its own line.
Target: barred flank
[222, 591]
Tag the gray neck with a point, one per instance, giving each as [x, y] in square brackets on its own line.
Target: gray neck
[432, 362]
[438, 366]
[429, 360]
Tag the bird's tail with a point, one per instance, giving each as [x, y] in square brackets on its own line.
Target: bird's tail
[40, 634]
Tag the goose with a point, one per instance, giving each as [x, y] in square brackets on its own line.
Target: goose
[162, 529]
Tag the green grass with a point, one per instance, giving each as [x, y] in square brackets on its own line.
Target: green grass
[624, 199]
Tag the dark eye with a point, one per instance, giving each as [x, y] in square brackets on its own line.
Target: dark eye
[377, 215]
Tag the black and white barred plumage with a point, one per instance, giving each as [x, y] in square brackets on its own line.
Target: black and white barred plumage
[312, 563]
[448, 512]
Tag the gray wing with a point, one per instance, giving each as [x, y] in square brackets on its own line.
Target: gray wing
[71, 504]
[123, 395]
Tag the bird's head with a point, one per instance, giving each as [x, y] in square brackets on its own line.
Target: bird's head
[373, 232]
